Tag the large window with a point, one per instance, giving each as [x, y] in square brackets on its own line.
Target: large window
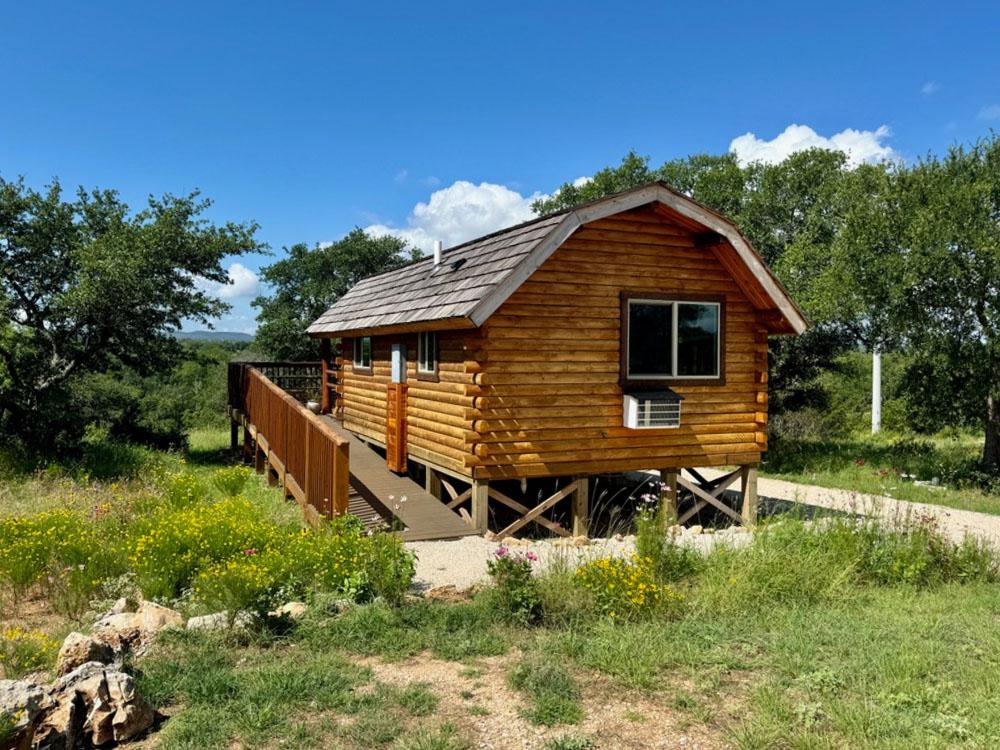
[670, 339]
[427, 355]
[363, 353]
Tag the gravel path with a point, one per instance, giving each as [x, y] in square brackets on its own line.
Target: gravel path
[462, 562]
[953, 523]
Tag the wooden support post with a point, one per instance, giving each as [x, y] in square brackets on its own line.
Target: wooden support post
[749, 487]
[581, 509]
[480, 505]
[272, 477]
[234, 433]
[324, 361]
[259, 460]
[249, 444]
[432, 482]
[668, 494]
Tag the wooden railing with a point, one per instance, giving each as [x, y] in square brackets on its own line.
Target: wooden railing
[307, 457]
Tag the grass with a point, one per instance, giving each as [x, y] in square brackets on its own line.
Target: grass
[261, 692]
[876, 464]
[817, 636]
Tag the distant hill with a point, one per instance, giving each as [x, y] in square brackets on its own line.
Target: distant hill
[242, 338]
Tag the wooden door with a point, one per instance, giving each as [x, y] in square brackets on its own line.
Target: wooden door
[395, 414]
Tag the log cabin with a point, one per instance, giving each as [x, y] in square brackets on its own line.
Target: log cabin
[626, 334]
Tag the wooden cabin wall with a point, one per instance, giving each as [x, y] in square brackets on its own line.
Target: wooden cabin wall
[439, 414]
[551, 401]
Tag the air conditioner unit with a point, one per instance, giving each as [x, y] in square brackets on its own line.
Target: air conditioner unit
[652, 409]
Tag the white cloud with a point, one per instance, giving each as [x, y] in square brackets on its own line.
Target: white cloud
[581, 181]
[461, 212]
[401, 175]
[859, 145]
[930, 88]
[243, 283]
[992, 112]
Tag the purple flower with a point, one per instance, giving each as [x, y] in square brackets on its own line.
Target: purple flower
[501, 552]
[531, 556]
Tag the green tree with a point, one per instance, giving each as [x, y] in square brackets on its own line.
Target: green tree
[949, 304]
[86, 286]
[309, 280]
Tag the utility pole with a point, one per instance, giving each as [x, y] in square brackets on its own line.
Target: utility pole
[876, 390]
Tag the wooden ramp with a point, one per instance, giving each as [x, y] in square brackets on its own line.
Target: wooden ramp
[424, 516]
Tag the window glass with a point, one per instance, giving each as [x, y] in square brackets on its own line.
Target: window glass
[650, 329]
[363, 351]
[427, 352]
[697, 339]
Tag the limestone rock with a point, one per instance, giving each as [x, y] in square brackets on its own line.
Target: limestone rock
[214, 621]
[95, 704]
[291, 610]
[24, 701]
[219, 621]
[580, 541]
[123, 631]
[78, 649]
[694, 530]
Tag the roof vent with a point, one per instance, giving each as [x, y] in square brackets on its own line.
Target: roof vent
[438, 247]
[456, 264]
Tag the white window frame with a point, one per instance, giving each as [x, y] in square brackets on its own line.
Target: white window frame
[673, 304]
[425, 340]
[358, 359]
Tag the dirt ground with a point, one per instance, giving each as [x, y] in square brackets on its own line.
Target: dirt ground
[481, 703]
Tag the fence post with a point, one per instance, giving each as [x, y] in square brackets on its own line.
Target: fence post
[341, 477]
[324, 374]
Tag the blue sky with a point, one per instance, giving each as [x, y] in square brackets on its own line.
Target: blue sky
[441, 120]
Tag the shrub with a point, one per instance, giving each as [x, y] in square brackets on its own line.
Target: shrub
[669, 561]
[32, 545]
[170, 547]
[341, 558]
[627, 589]
[515, 594]
[251, 583]
[183, 490]
[23, 651]
[231, 480]
[552, 691]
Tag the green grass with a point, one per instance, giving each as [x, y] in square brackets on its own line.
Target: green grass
[875, 465]
[829, 636]
[226, 688]
[550, 690]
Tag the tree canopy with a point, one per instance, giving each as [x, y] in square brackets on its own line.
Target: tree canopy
[308, 280]
[87, 285]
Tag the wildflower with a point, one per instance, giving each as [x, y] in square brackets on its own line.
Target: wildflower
[250, 552]
[531, 556]
[501, 551]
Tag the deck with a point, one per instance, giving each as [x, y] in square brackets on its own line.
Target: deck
[424, 516]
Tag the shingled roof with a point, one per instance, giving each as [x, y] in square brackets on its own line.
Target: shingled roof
[475, 278]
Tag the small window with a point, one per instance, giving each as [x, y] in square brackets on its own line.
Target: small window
[363, 353]
[427, 354]
[670, 339]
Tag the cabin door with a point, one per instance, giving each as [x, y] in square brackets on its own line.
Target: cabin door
[395, 416]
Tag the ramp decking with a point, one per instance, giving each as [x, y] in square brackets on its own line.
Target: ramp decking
[424, 516]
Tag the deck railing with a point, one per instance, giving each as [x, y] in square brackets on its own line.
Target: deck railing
[310, 460]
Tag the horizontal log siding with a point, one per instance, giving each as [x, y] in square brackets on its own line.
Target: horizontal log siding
[550, 401]
[439, 414]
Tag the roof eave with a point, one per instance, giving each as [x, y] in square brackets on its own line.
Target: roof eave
[444, 324]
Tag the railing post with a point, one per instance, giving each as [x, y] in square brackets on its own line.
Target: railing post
[324, 374]
[341, 477]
